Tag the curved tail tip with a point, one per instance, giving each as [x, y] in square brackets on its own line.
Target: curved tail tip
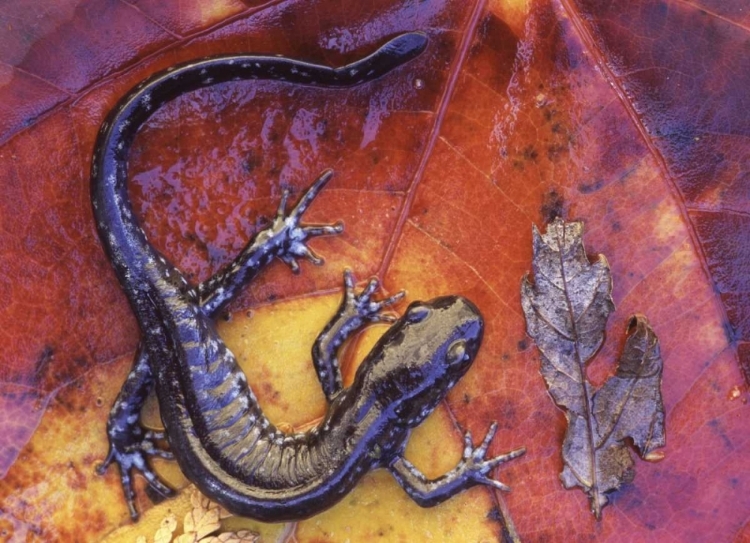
[409, 44]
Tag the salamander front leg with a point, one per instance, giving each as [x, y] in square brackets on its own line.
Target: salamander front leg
[472, 470]
[355, 312]
[286, 238]
[295, 235]
[130, 444]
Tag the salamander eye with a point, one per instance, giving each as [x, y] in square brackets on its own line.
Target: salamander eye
[418, 314]
[457, 352]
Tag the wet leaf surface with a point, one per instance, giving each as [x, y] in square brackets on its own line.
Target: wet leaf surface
[629, 116]
[566, 308]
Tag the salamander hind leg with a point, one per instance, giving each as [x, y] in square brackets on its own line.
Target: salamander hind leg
[355, 312]
[472, 470]
[130, 445]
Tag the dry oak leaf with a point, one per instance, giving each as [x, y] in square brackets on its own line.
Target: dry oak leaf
[566, 309]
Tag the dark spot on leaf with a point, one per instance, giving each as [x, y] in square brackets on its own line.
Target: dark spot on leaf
[588, 188]
[154, 496]
[508, 414]
[42, 361]
[530, 153]
[729, 332]
[495, 515]
[523, 345]
[552, 206]
[718, 429]
[743, 354]
[484, 26]
[250, 162]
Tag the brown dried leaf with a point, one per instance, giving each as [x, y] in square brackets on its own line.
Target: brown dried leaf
[566, 310]
[566, 313]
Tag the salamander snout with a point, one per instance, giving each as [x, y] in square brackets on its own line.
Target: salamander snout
[454, 322]
[468, 328]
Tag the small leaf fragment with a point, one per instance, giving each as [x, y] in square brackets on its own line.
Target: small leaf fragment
[166, 529]
[634, 391]
[566, 311]
[202, 522]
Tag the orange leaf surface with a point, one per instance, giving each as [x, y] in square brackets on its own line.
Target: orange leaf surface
[630, 116]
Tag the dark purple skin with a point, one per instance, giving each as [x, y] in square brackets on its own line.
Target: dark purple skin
[215, 428]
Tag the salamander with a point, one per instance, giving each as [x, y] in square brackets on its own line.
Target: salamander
[213, 423]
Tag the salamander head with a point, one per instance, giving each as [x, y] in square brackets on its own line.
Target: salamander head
[421, 357]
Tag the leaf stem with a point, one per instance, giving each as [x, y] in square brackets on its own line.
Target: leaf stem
[595, 507]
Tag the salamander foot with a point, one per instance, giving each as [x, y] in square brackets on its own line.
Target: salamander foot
[295, 234]
[130, 454]
[472, 470]
[473, 464]
[362, 307]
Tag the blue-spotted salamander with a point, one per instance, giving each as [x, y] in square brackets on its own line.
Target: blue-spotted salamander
[214, 426]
